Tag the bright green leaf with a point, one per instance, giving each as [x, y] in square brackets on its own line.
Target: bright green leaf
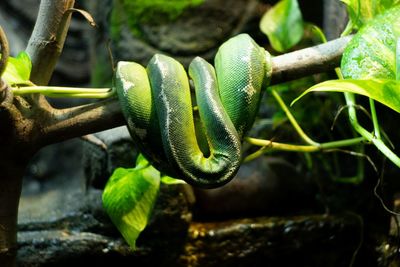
[362, 11]
[129, 198]
[283, 24]
[386, 92]
[18, 69]
[371, 52]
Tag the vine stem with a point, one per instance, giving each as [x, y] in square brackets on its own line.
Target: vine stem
[374, 116]
[350, 101]
[375, 138]
[70, 92]
[293, 121]
[268, 145]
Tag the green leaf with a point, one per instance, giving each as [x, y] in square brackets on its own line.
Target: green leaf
[18, 69]
[129, 198]
[283, 24]
[362, 11]
[371, 52]
[386, 92]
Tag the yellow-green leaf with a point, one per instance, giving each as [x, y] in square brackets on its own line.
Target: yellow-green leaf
[362, 11]
[129, 197]
[371, 52]
[283, 24]
[18, 69]
[384, 91]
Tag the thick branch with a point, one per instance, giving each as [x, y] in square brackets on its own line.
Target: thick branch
[48, 37]
[312, 60]
[82, 120]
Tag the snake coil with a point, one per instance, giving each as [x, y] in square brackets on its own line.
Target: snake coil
[203, 150]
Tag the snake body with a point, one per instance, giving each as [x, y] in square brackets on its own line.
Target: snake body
[203, 150]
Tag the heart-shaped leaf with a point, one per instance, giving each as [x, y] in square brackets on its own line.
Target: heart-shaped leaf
[129, 197]
[371, 53]
[283, 24]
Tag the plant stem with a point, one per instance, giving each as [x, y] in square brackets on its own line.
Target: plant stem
[268, 145]
[374, 116]
[373, 138]
[292, 120]
[70, 92]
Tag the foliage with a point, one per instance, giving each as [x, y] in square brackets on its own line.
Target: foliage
[18, 70]
[371, 53]
[369, 62]
[283, 24]
[129, 197]
[383, 91]
[362, 11]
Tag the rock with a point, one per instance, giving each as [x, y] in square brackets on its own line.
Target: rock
[66, 226]
[183, 37]
[62, 222]
[66, 248]
[263, 186]
[314, 240]
[99, 162]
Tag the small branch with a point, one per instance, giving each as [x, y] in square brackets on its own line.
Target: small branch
[312, 60]
[48, 37]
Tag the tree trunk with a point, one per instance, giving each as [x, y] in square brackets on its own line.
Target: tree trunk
[12, 171]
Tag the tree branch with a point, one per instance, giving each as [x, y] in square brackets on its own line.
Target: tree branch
[103, 115]
[312, 60]
[82, 120]
[48, 37]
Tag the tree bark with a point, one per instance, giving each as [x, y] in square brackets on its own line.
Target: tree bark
[17, 145]
[48, 37]
[307, 61]
[12, 171]
[23, 119]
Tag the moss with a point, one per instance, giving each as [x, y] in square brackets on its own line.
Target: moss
[145, 11]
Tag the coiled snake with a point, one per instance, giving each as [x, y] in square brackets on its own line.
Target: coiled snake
[203, 150]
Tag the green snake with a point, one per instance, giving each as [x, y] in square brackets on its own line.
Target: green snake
[200, 145]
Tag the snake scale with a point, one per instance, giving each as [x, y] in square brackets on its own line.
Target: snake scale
[200, 145]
